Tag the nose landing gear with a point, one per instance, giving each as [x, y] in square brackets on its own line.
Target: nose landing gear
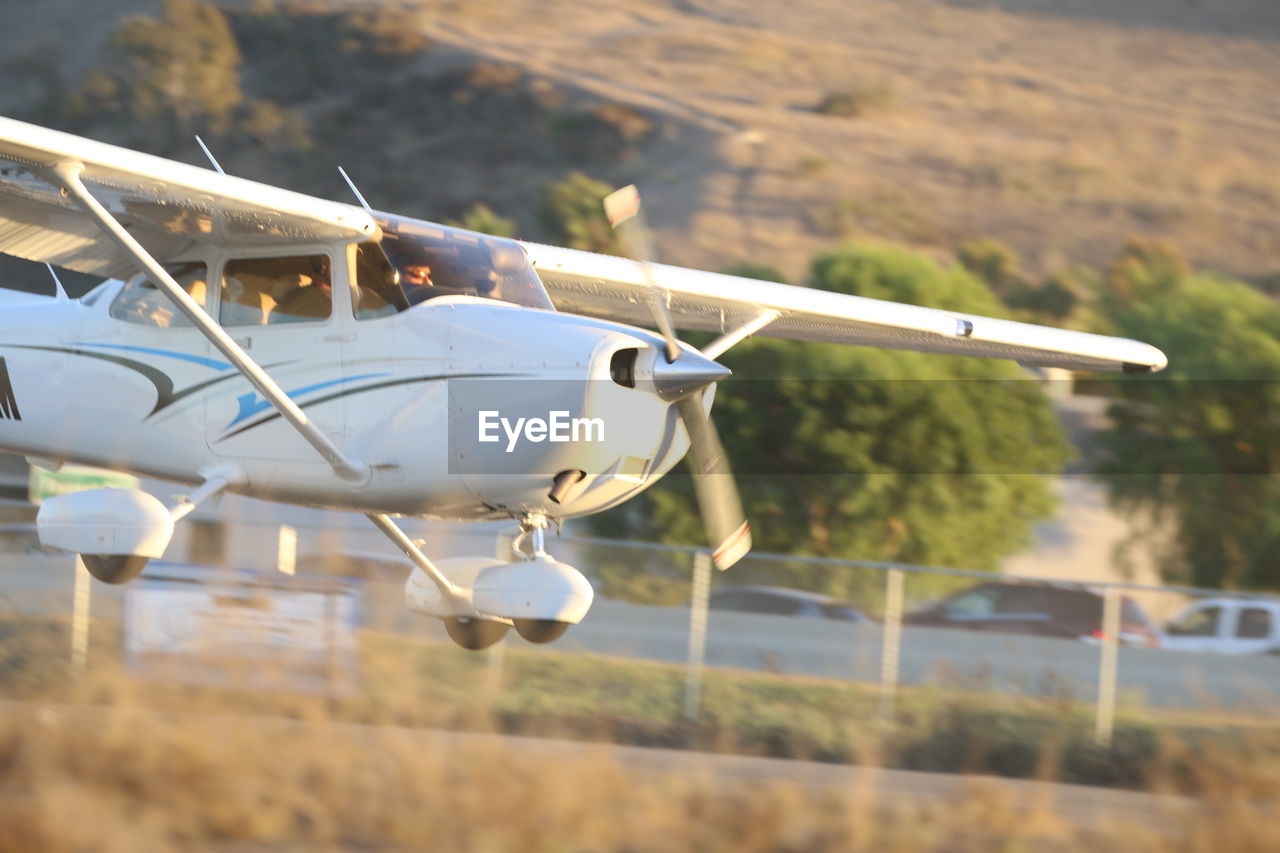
[480, 598]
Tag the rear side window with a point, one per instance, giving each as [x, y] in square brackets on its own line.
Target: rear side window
[1197, 623]
[1254, 624]
[141, 301]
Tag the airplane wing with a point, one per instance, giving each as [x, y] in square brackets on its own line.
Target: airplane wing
[165, 205]
[616, 289]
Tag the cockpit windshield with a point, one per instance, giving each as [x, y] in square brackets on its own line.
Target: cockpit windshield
[417, 261]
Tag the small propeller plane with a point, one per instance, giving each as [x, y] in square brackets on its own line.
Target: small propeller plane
[259, 341]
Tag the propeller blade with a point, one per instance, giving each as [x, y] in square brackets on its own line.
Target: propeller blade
[713, 484]
[717, 494]
[622, 207]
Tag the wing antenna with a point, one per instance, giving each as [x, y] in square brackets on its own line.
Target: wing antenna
[352, 184]
[59, 290]
[209, 154]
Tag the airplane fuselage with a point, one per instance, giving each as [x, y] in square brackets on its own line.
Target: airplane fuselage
[405, 393]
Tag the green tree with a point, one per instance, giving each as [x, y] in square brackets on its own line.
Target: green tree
[875, 454]
[1144, 268]
[1195, 449]
[572, 210]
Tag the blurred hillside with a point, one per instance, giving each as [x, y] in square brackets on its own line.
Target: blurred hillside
[759, 132]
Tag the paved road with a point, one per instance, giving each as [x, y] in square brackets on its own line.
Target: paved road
[797, 646]
[1007, 662]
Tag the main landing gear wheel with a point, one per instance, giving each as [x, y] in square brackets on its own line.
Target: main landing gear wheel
[114, 568]
[540, 630]
[475, 634]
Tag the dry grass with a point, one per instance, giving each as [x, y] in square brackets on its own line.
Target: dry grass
[114, 778]
[1059, 128]
[105, 762]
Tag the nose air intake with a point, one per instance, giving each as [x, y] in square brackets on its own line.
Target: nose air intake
[689, 373]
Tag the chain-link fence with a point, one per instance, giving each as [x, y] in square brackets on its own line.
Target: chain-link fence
[884, 624]
[897, 624]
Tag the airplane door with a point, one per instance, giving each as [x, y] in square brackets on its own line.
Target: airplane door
[280, 309]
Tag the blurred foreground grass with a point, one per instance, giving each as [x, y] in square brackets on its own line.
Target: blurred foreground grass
[109, 762]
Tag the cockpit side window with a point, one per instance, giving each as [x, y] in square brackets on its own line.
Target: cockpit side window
[435, 260]
[378, 291]
[269, 291]
[141, 300]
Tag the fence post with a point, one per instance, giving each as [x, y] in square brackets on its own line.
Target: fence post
[287, 550]
[698, 598]
[891, 641]
[80, 603]
[1105, 715]
[497, 653]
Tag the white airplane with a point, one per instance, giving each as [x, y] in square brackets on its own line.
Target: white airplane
[255, 340]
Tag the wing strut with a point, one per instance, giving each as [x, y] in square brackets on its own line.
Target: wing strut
[67, 177]
[729, 339]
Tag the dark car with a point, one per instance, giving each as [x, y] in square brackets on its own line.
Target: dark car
[1049, 610]
[779, 601]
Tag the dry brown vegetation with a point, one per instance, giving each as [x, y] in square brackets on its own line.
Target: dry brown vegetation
[106, 762]
[1060, 128]
[762, 131]
[113, 777]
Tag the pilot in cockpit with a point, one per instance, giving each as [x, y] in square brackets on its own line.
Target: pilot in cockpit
[417, 283]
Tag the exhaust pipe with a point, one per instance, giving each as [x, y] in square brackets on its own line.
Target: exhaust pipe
[563, 484]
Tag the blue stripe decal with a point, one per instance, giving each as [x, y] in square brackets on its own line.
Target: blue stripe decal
[211, 363]
[252, 403]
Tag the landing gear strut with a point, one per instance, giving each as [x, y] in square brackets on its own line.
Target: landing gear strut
[534, 527]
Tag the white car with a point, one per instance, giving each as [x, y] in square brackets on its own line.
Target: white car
[1232, 626]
